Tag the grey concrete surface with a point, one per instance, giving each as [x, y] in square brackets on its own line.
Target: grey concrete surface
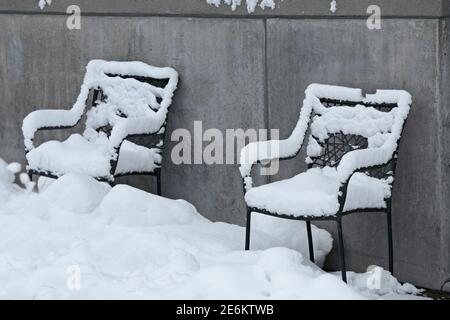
[251, 73]
[445, 142]
[298, 8]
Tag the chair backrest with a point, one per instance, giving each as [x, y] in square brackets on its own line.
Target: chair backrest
[340, 126]
[128, 91]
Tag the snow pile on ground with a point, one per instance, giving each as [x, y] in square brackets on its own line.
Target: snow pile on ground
[7, 188]
[381, 282]
[292, 234]
[78, 238]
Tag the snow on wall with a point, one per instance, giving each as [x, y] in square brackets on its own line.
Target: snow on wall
[43, 3]
[333, 6]
[251, 4]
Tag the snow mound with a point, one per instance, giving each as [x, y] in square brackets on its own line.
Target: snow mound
[130, 207]
[136, 245]
[280, 260]
[377, 281]
[77, 193]
[287, 270]
[7, 177]
[292, 234]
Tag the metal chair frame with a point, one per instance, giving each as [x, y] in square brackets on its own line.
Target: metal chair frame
[158, 144]
[336, 146]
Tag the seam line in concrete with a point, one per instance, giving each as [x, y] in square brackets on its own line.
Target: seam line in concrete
[266, 90]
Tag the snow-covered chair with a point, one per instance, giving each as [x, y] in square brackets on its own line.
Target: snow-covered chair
[351, 156]
[128, 99]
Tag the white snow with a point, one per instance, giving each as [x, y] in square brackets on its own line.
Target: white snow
[333, 6]
[43, 3]
[315, 192]
[76, 154]
[76, 193]
[380, 282]
[7, 188]
[251, 4]
[292, 235]
[129, 244]
[126, 110]
[134, 156]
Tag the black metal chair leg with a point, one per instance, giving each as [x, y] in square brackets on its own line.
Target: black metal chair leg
[247, 229]
[310, 241]
[158, 182]
[30, 176]
[341, 250]
[390, 240]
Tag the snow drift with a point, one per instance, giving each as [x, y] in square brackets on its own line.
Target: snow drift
[128, 244]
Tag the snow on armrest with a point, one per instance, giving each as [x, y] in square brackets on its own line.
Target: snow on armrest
[41, 119]
[54, 118]
[278, 149]
[136, 126]
[362, 159]
[258, 151]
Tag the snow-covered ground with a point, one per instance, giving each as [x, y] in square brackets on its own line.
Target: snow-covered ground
[129, 244]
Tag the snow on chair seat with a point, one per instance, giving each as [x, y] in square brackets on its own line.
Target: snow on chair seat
[76, 155]
[314, 193]
[129, 99]
[351, 155]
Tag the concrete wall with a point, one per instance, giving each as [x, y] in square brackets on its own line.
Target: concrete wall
[285, 8]
[250, 71]
[444, 101]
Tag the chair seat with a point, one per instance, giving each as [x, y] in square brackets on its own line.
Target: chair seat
[79, 155]
[76, 155]
[315, 193]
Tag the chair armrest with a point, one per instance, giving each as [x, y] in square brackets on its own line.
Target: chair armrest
[364, 159]
[125, 127]
[259, 151]
[276, 149]
[47, 119]
[256, 152]
[359, 161]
